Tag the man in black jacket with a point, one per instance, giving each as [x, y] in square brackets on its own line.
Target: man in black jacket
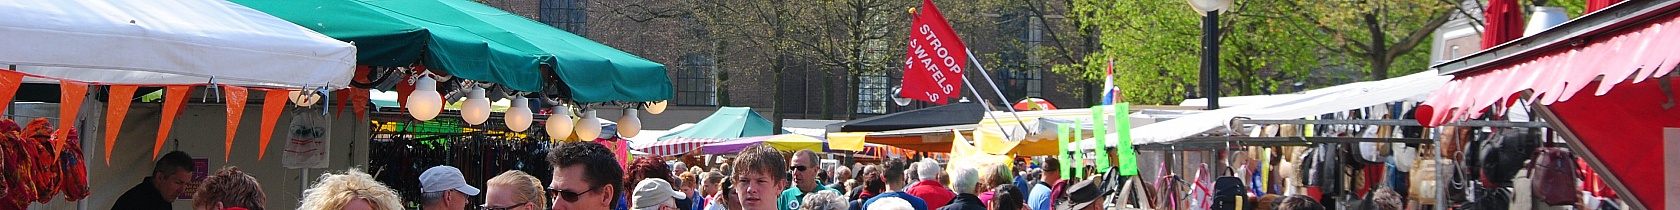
[170, 177]
[963, 182]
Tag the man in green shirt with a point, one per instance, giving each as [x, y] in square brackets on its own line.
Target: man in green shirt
[803, 168]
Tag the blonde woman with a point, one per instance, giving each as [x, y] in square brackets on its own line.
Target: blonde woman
[514, 190]
[352, 190]
[992, 176]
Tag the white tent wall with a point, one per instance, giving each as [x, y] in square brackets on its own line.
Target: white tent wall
[199, 131]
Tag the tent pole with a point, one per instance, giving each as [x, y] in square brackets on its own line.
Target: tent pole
[1576, 146]
[989, 81]
[988, 108]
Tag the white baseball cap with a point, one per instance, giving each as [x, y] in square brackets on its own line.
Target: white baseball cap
[652, 192]
[440, 178]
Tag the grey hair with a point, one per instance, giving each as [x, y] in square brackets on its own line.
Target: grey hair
[432, 197]
[963, 180]
[824, 200]
[928, 169]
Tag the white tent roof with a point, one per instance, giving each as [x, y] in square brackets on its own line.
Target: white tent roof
[167, 42]
[1311, 103]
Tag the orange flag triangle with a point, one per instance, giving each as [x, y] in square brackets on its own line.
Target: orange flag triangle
[70, 97]
[273, 104]
[9, 82]
[120, 96]
[235, 112]
[174, 99]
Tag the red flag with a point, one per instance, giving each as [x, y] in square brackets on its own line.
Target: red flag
[9, 83]
[933, 67]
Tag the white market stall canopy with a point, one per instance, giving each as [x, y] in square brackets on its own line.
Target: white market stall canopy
[167, 42]
[1310, 103]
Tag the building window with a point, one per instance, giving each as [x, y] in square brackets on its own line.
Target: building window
[566, 15]
[697, 81]
[1453, 54]
[874, 93]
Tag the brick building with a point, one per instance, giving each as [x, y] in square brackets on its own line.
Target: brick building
[706, 78]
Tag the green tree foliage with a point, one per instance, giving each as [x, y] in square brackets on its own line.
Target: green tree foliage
[1265, 45]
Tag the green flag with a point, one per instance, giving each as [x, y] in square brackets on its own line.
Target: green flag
[1123, 129]
[1062, 136]
[1100, 134]
[1077, 160]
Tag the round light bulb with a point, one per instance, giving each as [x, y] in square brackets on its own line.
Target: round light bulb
[588, 128]
[301, 99]
[629, 125]
[900, 100]
[560, 123]
[425, 102]
[1203, 6]
[476, 109]
[656, 107]
[518, 116]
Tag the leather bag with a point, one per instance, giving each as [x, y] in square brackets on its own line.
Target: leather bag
[1552, 175]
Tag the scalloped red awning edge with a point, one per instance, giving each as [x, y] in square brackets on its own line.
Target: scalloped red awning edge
[1641, 52]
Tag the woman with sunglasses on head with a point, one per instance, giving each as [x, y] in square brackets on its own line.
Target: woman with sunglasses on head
[514, 190]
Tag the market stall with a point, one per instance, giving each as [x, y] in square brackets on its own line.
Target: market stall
[926, 129]
[725, 124]
[1604, 81]
[98, 54]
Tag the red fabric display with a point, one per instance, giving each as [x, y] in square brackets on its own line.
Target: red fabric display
[18, 167]
[73, 181]
[38, 134]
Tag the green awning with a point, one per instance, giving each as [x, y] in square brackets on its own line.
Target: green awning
[727, 123]
[477, 42]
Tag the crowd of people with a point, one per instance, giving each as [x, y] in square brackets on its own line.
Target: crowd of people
[586, 176]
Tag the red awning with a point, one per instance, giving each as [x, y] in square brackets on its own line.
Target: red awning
[1635, 53]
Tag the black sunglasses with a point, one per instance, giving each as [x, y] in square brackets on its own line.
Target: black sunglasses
[569, 196]
[798, 168]
[486, 207]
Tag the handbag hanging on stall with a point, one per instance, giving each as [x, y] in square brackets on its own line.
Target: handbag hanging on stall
[1552, 175]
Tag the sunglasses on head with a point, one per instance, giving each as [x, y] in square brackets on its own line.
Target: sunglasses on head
[569, 196]
[486, 207]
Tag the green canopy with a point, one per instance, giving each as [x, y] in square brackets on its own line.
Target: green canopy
[727, 123]
[477, 42]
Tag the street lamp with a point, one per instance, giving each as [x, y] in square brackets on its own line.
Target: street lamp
[1210, 46]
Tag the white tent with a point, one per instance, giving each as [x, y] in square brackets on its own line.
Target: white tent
[1310, 103]
[167, 42]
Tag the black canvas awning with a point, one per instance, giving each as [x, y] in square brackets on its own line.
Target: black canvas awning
[949, 114]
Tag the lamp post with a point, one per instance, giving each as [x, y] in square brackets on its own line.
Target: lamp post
[1210, 47]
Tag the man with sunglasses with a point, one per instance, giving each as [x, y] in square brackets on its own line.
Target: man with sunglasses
[804, 169]
[585, 176]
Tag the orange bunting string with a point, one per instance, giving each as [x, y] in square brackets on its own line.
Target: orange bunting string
[174, 98]
[70, 97]
[273, 104]
[235, 111]
[9, 82]
[117, 108]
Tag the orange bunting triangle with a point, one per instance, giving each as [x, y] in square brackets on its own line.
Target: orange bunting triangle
[70, 97]
[273, 104]
[359, 98]
[339, 97]
[235, 111]
[9, 82]
[174, 99]
[117, 108]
